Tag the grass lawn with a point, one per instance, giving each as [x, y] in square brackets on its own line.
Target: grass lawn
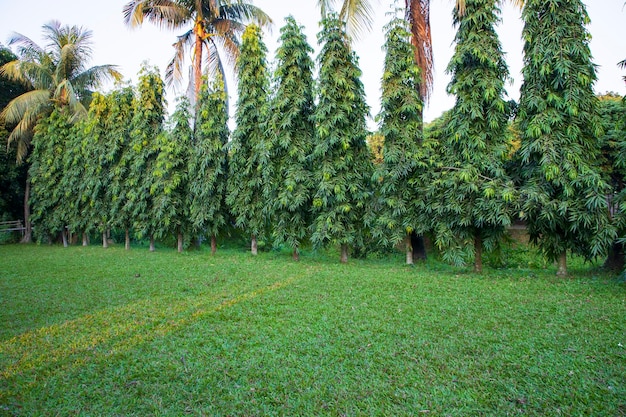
[95, 332]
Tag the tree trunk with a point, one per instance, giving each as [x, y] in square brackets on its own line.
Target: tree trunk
[409, 250]
[151, 243]
[105, 241]
[296, 254]
[213, 245]
[419, 247]
[127, 239]
[253, 245]
[615, 260]
[478, 253]
[197, 65]
[64, 237]
[180, 242]
[344, 254]
[85, 239]
[562, 265]
[28, 232]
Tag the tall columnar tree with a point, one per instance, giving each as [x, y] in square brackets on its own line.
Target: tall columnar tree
[472, 185]
[208, 165]
[46, 171]
[341, 160]
[564, 192]
[292, 137]
[169, 188]
[146, 127]
[250, 147]
[119, 155]
[401, 127]
[92, 169]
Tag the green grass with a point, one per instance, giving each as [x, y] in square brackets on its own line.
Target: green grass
[88, 331]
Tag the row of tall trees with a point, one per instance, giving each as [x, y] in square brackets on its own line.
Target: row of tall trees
[299, 170]
[122, 168]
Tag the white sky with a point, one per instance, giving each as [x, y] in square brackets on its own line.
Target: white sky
[115, 44]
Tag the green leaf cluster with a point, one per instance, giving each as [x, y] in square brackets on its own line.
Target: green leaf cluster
[341, 160]
[142, 152]
[293, 132]
[564, 192]
[208, 165]
[169, 185]
[250, 148]
[48, 191]
[401, 126]
[470, 190]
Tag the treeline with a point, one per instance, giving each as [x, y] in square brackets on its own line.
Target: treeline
[297, 167]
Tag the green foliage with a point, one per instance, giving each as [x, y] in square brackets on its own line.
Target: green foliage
[473, 192]
[564, 193]
[146, 128]
[208, 166]
[292, 137]
[50, 212]
[341, 160]
[401, 127]
[169, 185]
[250, 150]
[118, 155]
[54, 75]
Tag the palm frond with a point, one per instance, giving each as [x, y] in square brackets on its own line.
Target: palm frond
[325, 7]
[162, 13]
[25, 110]
[17, 108]
[61, 37]
[174, 70]
[358, 15]
[26, 48]
[94, 77]
[246, 13]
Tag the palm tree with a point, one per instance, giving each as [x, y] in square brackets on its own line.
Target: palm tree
[215, 25]
[54, 75]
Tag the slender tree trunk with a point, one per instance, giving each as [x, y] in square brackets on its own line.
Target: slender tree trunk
[85, 239]
[409, 249]
[213, 245]
[151, 243]
[127, 239]
[562, 265]
[105, 241]
[253, 245]
[478, 253]
[197, 65]
[64, 237]
[615, 260]
[344, 254]
[28, 232]
[296, 254]
[180, 242]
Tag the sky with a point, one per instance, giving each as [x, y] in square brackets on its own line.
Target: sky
[116, 44]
